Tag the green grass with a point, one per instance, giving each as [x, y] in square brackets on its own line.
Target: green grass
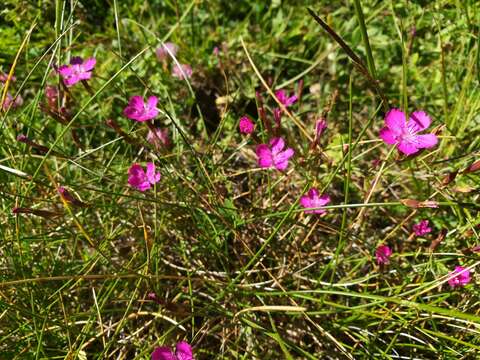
[241, 272]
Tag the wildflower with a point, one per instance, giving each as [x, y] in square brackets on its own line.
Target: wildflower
[405, 134]
[382, 254]
[4, 77]
[182, 71]
[285, 99]
[246, 125]
[272, 155]
[422, 228]
[312, 200]
[140, 111]
[183, 352]
[11, 102]
[77, 70]
[142, 180]
[459, 277]
[158, 138]
[166, 50]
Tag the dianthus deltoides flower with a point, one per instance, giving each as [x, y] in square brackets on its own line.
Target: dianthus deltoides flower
[140, 111]
[398, 131]
[77, 70]
[382, 254]
[246, 125]
[183, 351]
[143, 180]
[273, 155]
[285, 99]
[422, 228]
[164, 51]
[461, 277]
[312, 200]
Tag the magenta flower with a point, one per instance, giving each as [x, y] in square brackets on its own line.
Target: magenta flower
[159, 138]
[140, 111]
[405, 135]
[312, 200]
[382, 254]
[142, 180]
[246, 125]
[272, 155]
[285, 99]
[320, 126]
[184, 71]
[164, 51]
[183, 352]
[461, 277]
[77, 70]
[421, 228]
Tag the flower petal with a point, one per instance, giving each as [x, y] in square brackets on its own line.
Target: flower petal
[152, 176]
[281, 159]
[388, 136]
[277, 145]
[264, 154]
[313, 192]
[89, 64]
[419, 120]
[136, 101]
[395, 120]
[163, 353]
[323, 200]
[65, 70]
[184, 351]
[425, 141]
[407, 147]
[306, 201]
[152, 102]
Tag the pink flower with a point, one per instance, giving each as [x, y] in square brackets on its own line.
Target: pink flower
[184, 71]
[159, 138]
[164, 51]
[140, 111]
[4, 77]
[422, 228]
[405, 135]
[142, 180]
[382, 254]
[11, 102]
[461, 277]
[246, 125]
[183, 352]
[312, 200]
[284, 99]
[272, 155]
[77, 70]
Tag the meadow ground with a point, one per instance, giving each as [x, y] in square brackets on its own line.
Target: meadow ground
[269, 200]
